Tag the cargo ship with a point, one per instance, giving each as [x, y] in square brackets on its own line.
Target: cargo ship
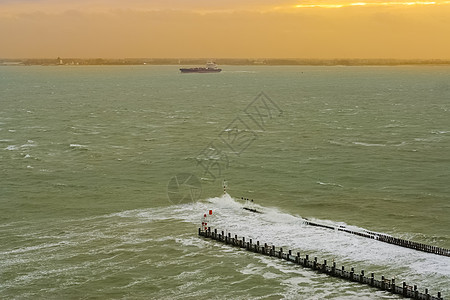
[210, 67]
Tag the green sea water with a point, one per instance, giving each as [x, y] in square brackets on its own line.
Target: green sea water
[88, 155]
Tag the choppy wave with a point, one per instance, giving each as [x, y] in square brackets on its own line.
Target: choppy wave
[78, 146]
[82, 252]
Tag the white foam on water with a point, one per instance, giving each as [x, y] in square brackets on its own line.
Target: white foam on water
[113, 237]
[368, 144]
[28, 144]
[329, 183]
[78, 146]
[440, 131]
[12, 148]
[34, 248]
[289, 231]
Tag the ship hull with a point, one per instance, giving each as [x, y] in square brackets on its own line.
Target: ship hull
[199, 70]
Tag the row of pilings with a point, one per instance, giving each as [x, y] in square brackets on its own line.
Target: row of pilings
[387, 239]
[378, 236]
[384, 284]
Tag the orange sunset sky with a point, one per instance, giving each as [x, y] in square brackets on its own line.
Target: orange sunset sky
[225, 29]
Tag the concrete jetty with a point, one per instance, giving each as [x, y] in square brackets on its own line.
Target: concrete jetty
[388, 285]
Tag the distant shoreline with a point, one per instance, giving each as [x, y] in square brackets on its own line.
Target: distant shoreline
[222, 61]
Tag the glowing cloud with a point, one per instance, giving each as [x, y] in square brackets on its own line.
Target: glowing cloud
[334, 5]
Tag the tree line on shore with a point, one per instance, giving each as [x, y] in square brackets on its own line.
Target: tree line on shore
[222, 61]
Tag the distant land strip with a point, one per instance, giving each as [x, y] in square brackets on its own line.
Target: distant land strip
[221, 61]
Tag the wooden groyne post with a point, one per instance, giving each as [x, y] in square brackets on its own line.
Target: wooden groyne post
[403, 289]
